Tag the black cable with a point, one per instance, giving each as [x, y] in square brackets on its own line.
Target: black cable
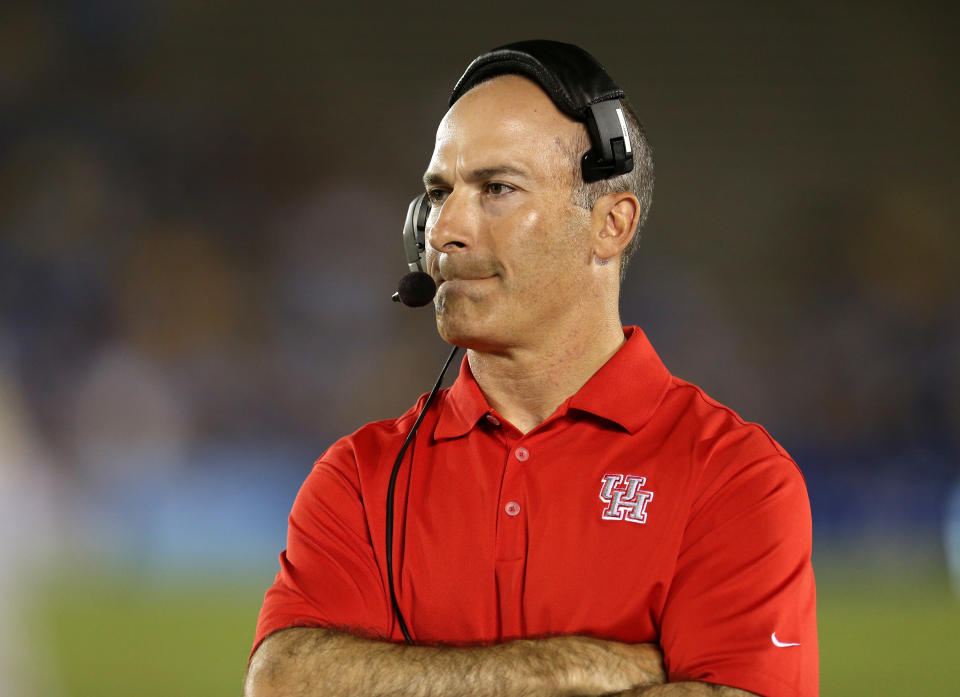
[390, 492]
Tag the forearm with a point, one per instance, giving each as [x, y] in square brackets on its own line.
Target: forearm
[306, 662]
[686, 689]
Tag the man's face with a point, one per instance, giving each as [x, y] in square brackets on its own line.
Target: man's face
[508, 248]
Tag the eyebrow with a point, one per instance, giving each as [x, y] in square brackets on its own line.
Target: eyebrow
[482, 173]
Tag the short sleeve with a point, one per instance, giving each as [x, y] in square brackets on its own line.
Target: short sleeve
[329, 576]
[741, 608]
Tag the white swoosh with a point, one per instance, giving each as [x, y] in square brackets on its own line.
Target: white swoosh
[781, 644]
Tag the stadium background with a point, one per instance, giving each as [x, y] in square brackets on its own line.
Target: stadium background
[201, 206]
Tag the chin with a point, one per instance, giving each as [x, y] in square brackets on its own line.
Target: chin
[469, 333]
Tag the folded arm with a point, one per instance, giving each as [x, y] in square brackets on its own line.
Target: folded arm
[687, 689]
[302, 662]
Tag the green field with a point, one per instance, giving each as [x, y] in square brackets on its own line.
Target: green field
[126, 638]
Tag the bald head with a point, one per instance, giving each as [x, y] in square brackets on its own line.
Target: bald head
[511, 113]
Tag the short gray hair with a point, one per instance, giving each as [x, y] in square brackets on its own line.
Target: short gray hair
[639, 180]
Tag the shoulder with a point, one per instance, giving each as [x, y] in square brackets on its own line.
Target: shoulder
[371, 445]
[742, 484]
[716, 423]
[724, 449]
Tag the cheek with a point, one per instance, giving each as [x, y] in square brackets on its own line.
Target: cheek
[529, 230]
[541, 250]
[518, 241]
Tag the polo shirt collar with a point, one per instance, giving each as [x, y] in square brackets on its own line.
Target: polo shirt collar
[463, 406]
[626, 390]
[629, 387]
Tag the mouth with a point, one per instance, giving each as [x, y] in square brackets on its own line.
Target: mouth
[464, 273]
[461, 282]
[465, 278]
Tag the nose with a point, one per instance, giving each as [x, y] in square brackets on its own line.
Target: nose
[451, 228]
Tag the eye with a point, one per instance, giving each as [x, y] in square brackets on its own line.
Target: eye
[435, 197]
[498, 189]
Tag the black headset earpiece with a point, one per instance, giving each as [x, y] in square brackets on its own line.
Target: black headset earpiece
[415, 233]
[611, 154]
[578, 85]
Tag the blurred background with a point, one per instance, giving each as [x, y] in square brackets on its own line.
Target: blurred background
[200, 215]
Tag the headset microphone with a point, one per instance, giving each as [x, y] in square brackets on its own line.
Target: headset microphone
[416, 289]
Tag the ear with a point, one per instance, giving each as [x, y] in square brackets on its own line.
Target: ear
[614, 223]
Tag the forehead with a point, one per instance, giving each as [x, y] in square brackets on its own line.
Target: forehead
[507, 118]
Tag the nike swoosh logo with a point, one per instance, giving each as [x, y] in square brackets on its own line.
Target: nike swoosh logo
[781, 644]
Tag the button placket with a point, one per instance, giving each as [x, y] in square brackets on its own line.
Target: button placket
[512, 526]
[512, 508]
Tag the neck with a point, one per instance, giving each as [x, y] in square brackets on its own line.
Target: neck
[526, 384]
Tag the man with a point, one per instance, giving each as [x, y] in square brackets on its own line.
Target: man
[571, 519]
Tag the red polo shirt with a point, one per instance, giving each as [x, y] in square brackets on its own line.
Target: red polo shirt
[641, 510]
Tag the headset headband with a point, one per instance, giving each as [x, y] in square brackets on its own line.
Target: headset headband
[579, 87]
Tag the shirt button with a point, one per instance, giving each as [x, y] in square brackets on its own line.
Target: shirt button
[521, 454]
[493, 419]
[512, 508]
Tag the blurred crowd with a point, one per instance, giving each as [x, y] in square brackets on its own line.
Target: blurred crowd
[199, 232]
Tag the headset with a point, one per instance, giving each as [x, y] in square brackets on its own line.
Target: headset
[576, 83]
[581, 88]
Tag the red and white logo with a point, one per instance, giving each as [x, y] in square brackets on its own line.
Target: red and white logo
[624, 498]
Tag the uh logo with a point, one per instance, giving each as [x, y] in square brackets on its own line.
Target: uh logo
[624, 498]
